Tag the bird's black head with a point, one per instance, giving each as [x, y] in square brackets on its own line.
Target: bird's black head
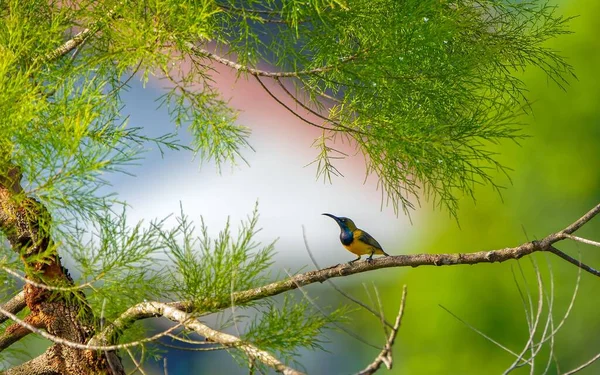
[344, 222]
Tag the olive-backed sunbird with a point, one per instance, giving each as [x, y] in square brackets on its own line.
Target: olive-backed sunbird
[357, 241]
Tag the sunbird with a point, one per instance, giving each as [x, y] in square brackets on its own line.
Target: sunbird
[357, 241]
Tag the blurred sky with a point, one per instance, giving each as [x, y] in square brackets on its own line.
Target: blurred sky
[278, 177]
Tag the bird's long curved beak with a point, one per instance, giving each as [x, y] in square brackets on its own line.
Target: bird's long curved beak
[333, 217]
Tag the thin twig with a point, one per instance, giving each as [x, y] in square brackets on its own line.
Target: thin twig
[189, 341]
[290, 109]
[574, 261]
[76, 345]
[586, 364]
[263, 73]
[312, 111]
[549, 321]
[529, 345]
[582, 240]
[213, 348]
[385, 356]
[340, 327]
[258, 14]
[45, 286]
[381, 313]
[82, 36]
[138, 366]
[480, 332]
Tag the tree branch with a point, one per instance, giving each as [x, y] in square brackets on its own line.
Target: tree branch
[40, 365]
[17, 331]
[385, 356]
[14, 305]
[82, 36]
[582, 220]
[583, 240]
[264, 73]
[290, 109]
[574, 261]
[413, 260]
[190, 322]
[584, 365]
[92, 344]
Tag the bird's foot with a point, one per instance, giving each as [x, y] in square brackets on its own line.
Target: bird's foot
[370, 259]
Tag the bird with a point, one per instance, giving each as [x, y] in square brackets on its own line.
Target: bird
[357, 241]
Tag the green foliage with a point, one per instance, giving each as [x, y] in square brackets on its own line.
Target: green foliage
[291, 326]
[420, 87]
[121, 264]
[436, 86]
[210, 121]
[208, 271]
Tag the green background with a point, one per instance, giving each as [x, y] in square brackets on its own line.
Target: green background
[555, 180]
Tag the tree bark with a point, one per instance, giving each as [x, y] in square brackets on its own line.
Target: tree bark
[26, 223]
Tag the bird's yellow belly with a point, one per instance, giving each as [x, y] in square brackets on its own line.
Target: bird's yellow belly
[361, 248]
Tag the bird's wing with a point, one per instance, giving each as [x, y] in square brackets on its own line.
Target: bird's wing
[369, 240]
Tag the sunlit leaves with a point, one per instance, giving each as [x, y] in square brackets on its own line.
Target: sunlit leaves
[210, 121]
[120, 262]
[208, 270]
[290, 326]
[431, 85]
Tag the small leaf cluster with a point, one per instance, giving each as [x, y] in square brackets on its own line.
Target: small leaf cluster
[208, 271]
[291, 325]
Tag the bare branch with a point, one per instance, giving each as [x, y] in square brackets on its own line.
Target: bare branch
[16, 304]
[263, 73]
[13, 333]
[577, 369]
[413, 260]
[385, 356]
[91, 345]
[290, 109]
[582, 220]
[583, 240]
[140, 311]
[82, 36]
[191, 323]
[574, 261]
